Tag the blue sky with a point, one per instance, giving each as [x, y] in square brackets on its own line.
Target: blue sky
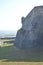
[11, 12]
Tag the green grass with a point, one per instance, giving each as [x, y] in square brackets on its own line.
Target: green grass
[9, 53]
[5, 45]
[3, 40]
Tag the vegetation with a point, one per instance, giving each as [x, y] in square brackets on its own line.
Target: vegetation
[21, 30]
[8, 38]
[21, 63]
[9, 53]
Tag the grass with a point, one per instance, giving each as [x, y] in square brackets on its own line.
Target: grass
[3, 40]
[9, 55]
[21, 63]
[5, 45]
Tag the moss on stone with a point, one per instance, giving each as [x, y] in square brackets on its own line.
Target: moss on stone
[20, 30]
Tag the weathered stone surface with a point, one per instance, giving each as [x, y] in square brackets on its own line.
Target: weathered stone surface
[31, 33]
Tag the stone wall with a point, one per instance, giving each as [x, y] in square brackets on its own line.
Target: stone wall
[31, 33]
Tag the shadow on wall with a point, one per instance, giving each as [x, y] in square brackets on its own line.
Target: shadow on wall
[11, 54]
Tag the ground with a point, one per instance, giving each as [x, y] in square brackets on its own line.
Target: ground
[9, 53]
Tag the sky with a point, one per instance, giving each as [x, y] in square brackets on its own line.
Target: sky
[11, 12]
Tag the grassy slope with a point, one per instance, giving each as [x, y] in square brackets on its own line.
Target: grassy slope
[11, 53]
[21, 63]
[2, 40]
